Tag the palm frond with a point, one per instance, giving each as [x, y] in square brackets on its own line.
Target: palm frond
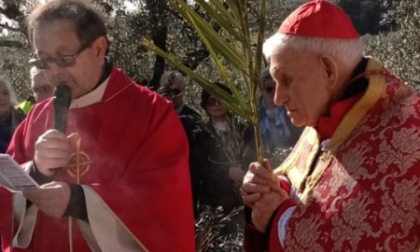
[232, 48]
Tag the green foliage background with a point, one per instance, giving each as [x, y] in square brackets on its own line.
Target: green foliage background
[393, 38]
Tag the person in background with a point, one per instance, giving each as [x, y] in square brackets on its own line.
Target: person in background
[115, 180]
[40, 85]
[10, 118]
[277, 131]
[26, 106]
[232, 149]
[352, 182]
[172, 86]
[41, 88]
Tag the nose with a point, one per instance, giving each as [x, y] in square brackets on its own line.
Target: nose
[280, 96]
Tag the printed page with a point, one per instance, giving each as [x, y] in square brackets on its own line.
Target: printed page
[12, 176]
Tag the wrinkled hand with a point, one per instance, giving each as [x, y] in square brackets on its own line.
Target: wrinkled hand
[258, 180]
[52, 198]
[264, 208]
[236, 174]
[52, 151]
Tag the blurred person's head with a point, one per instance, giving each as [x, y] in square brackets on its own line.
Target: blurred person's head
[213, 107]
[7, 97]
[40, 85]
[69, 39]
[313, 55]
[172, 86]
[267, 87]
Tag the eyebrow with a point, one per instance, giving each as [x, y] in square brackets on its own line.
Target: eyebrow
[58, 51]
[277, 69]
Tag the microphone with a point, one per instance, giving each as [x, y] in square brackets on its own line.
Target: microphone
[62, 100]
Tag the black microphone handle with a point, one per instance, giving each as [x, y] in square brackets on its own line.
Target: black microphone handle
[60, 119]
[62, 102]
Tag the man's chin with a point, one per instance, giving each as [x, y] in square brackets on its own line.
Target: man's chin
[297, 122]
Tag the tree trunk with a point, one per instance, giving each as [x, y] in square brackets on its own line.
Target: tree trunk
[158, 14]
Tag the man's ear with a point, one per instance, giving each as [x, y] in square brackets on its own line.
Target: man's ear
[100, 45]
[330, 70]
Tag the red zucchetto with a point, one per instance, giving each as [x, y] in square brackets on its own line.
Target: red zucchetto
[319, 18]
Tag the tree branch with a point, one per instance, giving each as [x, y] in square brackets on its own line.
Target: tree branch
[12, 12]
[2, 10]
[8, 27]
[158, 15]
[11, 43]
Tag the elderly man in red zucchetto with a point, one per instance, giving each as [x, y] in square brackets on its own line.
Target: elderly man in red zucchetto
[352, 182]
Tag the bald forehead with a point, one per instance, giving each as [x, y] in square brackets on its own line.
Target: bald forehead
[175, 79]
[179, 84]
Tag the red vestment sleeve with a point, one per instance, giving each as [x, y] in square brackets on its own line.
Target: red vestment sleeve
[6, 209]
[153, 196]
[274, 241]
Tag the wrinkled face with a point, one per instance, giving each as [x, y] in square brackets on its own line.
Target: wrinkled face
[302, 85]
[4, 100]
[176, 94]
[177, 101]
[215, 109]
[268, 91]
[57, 39]
[41, 87]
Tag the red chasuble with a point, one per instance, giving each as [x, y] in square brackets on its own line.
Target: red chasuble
[133, 154]
[364, 192]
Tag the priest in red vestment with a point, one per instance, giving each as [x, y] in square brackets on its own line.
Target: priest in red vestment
[352, 182]
[118, 180]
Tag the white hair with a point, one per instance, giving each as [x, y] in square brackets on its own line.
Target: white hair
[348, 51]
[9, 88]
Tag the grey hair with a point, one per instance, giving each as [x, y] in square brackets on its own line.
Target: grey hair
[348, 51]
[12, 95]
[172, 76]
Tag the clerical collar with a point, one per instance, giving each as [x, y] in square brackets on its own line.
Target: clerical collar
[328, 124]
[97, 93]
[90, 98]
[357, 85]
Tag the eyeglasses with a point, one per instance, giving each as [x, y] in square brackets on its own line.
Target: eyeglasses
[175, 92]
[212, 102]
[62, 61]
[168, 89]
[171, 93]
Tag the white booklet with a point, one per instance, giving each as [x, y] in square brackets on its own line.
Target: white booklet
[12, 176]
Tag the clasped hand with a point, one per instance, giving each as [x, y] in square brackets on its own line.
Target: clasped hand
[261, 191]
[52, 198]
[52, 151]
